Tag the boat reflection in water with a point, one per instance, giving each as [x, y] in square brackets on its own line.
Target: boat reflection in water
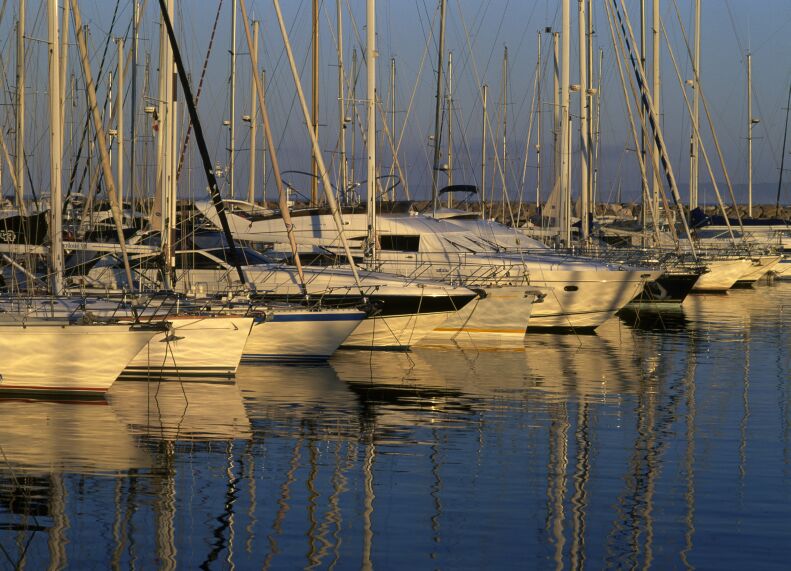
[42, 442]
[634, 447]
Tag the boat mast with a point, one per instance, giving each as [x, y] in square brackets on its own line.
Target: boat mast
[505, 130]
[565, 155]
[437, 110]
[657, 91]
[484, 95]
[449, 105]
[133, 93]
[325, 179]
[232, 120]
[370, 65]
[351, 173]
[55, 158]
[783, 153]
[120, 121]
[101, 140]
[538, 125]
[314, 180]
[584, 126]
[200, 140]
[341, 101]
[165, 146]
[253, 117]
[260, 92]
[643, 131]
[20, 109]
[749, 135]
[694, 143]
[393, 120]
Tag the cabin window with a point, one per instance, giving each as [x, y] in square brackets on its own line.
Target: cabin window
[196, 261]
[399, 243]
[570, 288]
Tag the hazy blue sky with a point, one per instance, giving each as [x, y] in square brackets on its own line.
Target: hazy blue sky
[477, 33]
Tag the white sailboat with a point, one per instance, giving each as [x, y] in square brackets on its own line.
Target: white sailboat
[53, 356]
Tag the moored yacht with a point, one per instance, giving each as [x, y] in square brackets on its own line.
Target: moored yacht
[55, 356]
[579, 293]
[404, 311]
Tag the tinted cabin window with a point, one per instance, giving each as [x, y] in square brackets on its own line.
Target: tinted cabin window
[399, 243]
[196, 261]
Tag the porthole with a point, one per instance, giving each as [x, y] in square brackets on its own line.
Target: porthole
[570, 288]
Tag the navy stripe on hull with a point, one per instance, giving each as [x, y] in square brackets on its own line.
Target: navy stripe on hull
[315, 317]
[386, 305]
[279, 358]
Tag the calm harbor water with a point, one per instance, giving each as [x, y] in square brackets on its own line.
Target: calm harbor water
[662, 441]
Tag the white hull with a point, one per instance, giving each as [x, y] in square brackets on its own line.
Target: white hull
[296, 335]
[722, 275]
[782, 270]
[395, 332]
[597, 297]
[503, 313]
[60, 358]
[195, 346]
[761, 266]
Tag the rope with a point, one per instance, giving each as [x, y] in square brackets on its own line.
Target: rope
[198, 90]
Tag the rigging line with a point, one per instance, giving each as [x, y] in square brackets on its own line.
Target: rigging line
[709, 120]
[186, 141]
[86, 127]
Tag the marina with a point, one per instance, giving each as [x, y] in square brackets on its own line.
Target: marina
[330, 284]
[651, 443]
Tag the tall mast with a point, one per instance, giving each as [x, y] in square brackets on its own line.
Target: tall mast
[165, 146]
[505, 130]
[450, 124]
[20, 109]
[253, 118]
[341, 100]
[325, 179]
[694, 143]
[589, 99]
[657, 91]
[584, 156]
[783, 152]
[438, 109]
[556, 107]
[643, 123]
[565, 155]
[749, 135]
[370, 65]
[64, 59]
[392, 116]
[484, 94]
[101, 139]
[314, 181]
[538, 125]
[133, 114]
[351, 173]
[232, 119]
[281, 192]
[120, 121]
[55, 143]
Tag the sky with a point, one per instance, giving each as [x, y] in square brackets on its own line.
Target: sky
[477, 33]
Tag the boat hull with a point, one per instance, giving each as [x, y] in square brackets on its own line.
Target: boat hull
[195, 347]
[722, 275]
[585, 299]
[395, 331]
[299, 336]
[668, 289]
[760, 268]
[56, 358]
[501, 313]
